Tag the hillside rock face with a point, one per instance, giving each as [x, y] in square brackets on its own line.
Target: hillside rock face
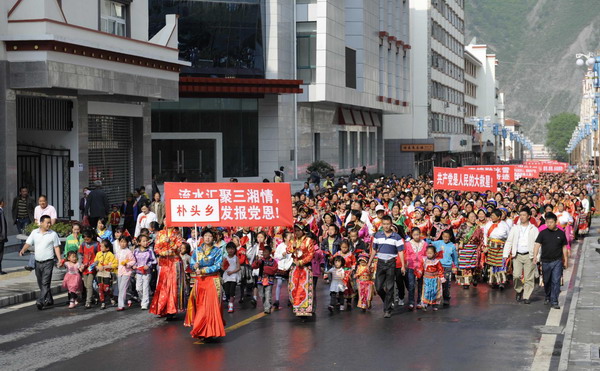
[536, 42]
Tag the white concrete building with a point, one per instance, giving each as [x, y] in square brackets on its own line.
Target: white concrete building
[312, 83]
[434, 133]
[483, 99]
[76, 79]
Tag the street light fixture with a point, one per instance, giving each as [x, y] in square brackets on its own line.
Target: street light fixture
[480, 123]
[593, 62]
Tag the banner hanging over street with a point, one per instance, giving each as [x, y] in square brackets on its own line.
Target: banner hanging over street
[228, 204]
[463, 179]
[504, 173]
[526, 171]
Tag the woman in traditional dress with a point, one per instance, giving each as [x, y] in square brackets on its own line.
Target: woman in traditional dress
[456, 219]
[420, 221]
[495, 234]
[470, 239]
[204, 306]
[300, 281]
[169, 294]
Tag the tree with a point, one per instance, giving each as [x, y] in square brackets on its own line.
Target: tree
[560, 127]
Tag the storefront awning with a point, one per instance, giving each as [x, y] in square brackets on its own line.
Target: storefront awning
[211, 86]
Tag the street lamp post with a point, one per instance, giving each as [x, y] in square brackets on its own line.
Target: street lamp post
[591, 60]
[481, 123]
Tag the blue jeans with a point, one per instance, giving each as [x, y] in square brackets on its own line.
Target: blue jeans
[552, 273]
[414, 283]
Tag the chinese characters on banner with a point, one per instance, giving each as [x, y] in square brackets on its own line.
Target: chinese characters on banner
[228, 204]
[526, 171]
[463, 179]
[548, 166]
[504, 173]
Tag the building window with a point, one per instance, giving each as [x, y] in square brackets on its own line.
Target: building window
[113, 18]
[350, 68]
[343, 149]
[110, 155]
[317, 146]
[306, 51]
[353, 149]
[218, 38]
[363, 148]
[373, 148]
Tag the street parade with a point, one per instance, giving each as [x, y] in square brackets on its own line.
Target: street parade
[398, 239]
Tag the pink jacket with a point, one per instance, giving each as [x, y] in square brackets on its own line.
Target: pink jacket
[413, 259]
[125, 255]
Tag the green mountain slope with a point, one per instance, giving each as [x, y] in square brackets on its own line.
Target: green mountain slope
[536, 42]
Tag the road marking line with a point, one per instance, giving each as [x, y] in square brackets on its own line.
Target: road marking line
[239, 324]
[543, 355]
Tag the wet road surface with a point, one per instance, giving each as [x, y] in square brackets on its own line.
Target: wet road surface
[483, 328]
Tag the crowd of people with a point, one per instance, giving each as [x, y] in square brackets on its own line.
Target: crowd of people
[394, 237]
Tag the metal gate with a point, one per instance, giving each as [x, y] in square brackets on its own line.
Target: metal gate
[110, 153]
[46, 171]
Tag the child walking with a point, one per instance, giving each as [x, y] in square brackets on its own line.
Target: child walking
[231, 267]
[349, 265]
[88, 250]
[106, 263]
[126, 262]
[185, 255]
[364, 280]
[338, 277]
[72, 280]
[267, 267]
[433, 279]
[144, 261]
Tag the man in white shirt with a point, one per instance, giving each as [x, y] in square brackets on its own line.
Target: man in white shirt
[144, 219]
[40, 210]
[364, 216]
[44, 209]
[47, 247]
[520, 245]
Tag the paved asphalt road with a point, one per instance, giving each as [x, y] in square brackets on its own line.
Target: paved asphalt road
[482, 329]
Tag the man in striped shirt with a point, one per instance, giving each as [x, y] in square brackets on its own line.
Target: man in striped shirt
[387, 246]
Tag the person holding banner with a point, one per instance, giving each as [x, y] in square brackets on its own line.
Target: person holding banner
[168, 297]
[301, 281]
[204, 306]
[495, 234]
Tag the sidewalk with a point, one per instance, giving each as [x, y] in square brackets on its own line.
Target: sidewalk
[581, 344]
[20, 286]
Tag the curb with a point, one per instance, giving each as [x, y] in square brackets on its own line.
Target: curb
[565, 353]
[28, 296]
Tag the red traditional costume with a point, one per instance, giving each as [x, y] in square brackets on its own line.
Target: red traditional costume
[364, 281]
[169, 295]
[300, 281]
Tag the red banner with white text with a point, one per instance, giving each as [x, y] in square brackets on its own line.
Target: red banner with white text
[504, 173]
[463, 179]
[228, 204]
[549, 167]
[526, 171]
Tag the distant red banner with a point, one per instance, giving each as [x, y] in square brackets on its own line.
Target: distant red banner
[526, 171]
[228, 204]
[550, 167]
[504, 173]
[539, 162]
[463, 179]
